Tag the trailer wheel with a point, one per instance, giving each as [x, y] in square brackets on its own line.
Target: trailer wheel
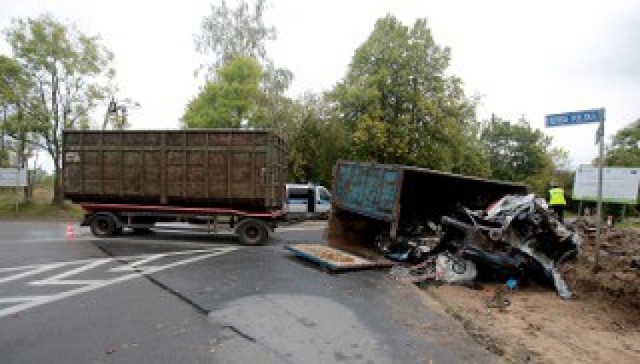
[252, 232]
[103, 226]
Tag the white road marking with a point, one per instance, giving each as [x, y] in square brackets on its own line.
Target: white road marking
[21, 303]
[30, 270]
[60, 278]
[132, 267]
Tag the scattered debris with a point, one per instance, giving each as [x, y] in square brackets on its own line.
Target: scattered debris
[602, 323]
[450, 268]
[618, 278]
[517, 237]
[414, 241]
[498, 299]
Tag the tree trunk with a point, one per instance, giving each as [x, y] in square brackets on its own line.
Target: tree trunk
[4, 120]
[58, 197]
[28, 190]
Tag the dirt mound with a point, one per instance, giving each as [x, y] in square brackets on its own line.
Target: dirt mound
[600, 323]
[618, 279]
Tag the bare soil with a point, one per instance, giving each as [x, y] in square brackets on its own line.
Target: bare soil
[540, 327]
[617, 281]
[599, 324]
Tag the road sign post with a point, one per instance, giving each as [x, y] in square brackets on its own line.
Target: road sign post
[13, 177]
[596, 263]
[587, 117]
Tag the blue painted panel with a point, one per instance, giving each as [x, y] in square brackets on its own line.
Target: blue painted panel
[574, 118]
[368, 189]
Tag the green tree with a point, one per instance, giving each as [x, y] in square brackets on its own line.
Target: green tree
[11, 75]
[518, 152]
[230, 33]
[70, 72]
[401, 105]
[15, 87]
[316, 140]
[624, 151]
[625, 147]
[560, 158]
[230, 100]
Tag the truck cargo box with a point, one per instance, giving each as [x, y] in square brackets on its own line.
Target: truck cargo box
[191, 168]
[371, 198]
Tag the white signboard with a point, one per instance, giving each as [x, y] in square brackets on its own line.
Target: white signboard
[13, 177]
[619, 185]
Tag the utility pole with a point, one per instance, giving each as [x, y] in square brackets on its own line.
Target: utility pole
[596, 265]
[111, 108]
[587, 117]
[122, 107]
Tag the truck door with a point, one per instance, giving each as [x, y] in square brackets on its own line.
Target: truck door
[297, 200]
[323, 201]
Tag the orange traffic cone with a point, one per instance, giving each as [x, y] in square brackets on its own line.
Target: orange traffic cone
[70, 235]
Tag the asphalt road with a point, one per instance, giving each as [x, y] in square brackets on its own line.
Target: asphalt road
[191, 298]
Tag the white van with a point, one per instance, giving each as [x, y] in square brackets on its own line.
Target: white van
[306, 201]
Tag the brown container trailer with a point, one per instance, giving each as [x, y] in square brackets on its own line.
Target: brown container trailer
[193, 172]
[191, 168]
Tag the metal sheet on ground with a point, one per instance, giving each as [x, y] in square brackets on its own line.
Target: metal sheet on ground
[333, 259]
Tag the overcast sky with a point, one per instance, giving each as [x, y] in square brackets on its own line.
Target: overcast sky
[526, 58]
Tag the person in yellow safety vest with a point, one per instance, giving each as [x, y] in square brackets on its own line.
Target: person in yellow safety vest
[557, 201]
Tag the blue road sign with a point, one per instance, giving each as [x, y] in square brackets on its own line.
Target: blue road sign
[573, 118]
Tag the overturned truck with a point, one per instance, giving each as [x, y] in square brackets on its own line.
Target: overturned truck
[491, 228]
[372, 202]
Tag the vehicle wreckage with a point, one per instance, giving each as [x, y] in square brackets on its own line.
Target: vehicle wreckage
[456, 228]
[517, 237]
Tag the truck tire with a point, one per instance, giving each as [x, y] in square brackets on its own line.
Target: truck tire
[103, 225]
[252, 232]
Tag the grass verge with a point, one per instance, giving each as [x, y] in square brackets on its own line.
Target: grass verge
[39, 207]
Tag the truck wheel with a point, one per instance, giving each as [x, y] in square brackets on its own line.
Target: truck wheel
[103, 226]
[252, 232]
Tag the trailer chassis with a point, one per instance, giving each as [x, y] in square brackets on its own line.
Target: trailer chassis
[251, 227]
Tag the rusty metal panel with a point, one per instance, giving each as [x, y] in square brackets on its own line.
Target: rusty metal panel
[370, 198]
[369, 189]
[380, 191]
[212, 167]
